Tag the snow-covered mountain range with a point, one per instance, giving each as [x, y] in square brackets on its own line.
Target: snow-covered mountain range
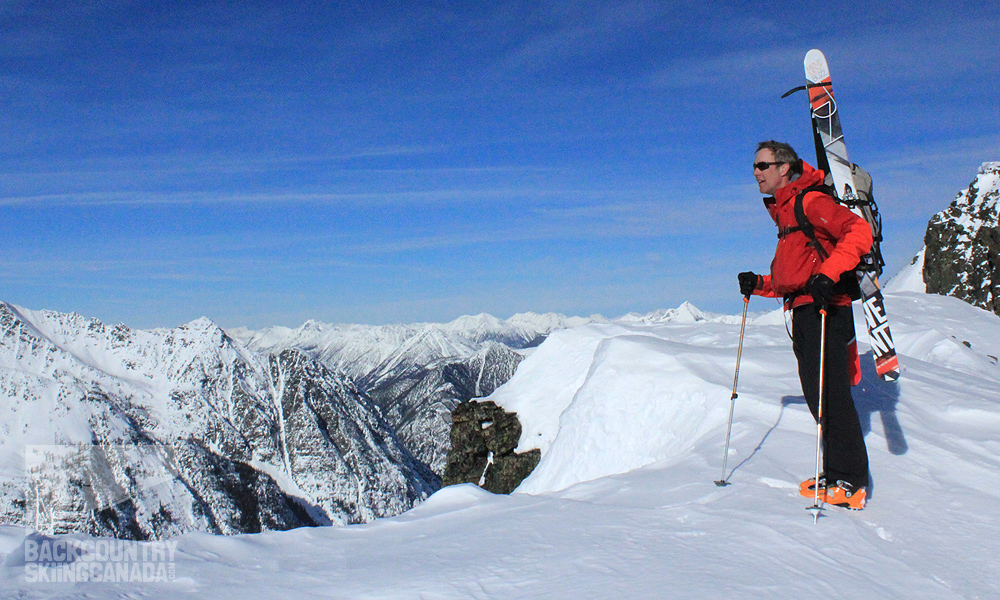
[195, 428]
[369, 353]
[416, 374]
[196, 433]
[631, 421]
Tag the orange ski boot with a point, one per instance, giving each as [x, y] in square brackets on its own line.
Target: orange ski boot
[806, 488]
[847, 495]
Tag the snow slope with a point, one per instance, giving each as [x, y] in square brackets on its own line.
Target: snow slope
[910, 278]
[631, 420]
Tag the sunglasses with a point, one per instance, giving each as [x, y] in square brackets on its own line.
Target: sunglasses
[763, 166]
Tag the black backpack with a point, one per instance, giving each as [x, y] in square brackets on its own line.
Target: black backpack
[864, 201]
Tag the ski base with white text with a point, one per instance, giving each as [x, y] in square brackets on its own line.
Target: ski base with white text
[853, 188]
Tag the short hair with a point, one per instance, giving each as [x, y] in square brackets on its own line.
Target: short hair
[783, 153]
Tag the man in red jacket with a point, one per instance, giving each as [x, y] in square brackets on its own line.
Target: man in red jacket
[806, 272]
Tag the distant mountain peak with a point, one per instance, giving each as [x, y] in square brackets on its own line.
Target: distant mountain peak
[201, 323]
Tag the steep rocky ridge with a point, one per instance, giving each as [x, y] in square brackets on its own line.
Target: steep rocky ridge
[146, 434]
[962, 244]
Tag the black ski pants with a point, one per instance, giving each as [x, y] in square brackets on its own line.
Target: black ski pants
[844, 454]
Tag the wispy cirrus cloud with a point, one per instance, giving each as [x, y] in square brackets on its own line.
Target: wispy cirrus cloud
[367, 199]
[934, 42]
[742, 70]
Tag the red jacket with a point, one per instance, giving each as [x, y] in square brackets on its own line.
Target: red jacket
[845, 236]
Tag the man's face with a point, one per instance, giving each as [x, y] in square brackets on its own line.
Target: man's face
[773, 177]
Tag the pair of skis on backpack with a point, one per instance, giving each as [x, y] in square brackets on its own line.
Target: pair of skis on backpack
[852, 186]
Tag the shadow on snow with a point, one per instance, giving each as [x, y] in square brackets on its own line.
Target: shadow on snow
[872, 395]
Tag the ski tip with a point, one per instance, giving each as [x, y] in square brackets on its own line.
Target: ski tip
[815, 65]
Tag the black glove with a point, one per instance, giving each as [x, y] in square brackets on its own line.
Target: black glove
[820, 287]
[749, 281]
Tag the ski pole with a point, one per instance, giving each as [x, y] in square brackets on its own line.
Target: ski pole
[732, 401]
[816, 507]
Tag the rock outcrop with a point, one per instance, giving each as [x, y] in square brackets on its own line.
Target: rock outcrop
[483, 439]
[962, 244]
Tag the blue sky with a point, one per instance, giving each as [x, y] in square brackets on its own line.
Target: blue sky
[375, 162]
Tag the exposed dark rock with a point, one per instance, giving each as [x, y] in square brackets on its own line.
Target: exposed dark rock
[416, 374]
[962, 242]
[483, 439]
[507, 472]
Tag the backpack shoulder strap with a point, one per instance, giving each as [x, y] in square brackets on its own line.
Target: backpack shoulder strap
[848, 283]
[803, 222]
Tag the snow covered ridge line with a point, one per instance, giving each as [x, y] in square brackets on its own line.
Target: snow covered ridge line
[222, 418]
[519, 331]
[227, 417]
